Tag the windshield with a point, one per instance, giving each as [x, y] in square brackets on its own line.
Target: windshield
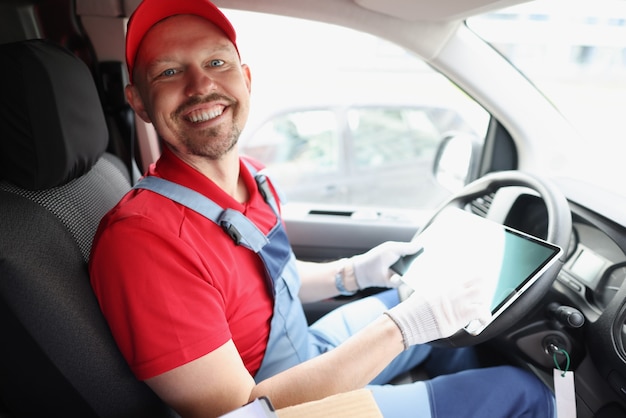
[575, 52]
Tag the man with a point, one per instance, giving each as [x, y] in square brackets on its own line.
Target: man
[194, 273]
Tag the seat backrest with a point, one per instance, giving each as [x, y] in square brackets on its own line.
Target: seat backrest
[57, 356]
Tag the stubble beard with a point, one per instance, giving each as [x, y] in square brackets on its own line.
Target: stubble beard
[211, 143]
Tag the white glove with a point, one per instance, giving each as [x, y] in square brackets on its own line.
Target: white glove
[439, 309]
[371, 269]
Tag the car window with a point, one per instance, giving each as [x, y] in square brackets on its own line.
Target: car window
[343, 117]
[390, 136]
[301, 149]
[308, 139]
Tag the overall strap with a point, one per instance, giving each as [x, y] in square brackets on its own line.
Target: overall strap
[264, 186]
[235, 224]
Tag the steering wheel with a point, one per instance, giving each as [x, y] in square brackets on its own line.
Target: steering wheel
[559, 231]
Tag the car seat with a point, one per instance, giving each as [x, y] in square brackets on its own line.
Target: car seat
[57, 356]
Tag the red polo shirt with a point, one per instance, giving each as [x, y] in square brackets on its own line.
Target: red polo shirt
[172, 284]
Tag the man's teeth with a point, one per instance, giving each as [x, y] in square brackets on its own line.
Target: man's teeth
[204, 116]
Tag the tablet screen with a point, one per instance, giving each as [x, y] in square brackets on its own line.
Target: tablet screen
[458, 243]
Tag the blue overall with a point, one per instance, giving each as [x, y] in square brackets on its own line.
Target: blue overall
[292, 341]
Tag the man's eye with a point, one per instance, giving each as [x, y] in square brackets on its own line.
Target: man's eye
[216, 63]
[169, 72]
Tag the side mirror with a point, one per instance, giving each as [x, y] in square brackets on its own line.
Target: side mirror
[457, 159]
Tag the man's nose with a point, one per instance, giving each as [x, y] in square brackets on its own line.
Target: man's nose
[199, 82]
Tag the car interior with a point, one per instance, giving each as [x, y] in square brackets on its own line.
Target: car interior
[70, 147]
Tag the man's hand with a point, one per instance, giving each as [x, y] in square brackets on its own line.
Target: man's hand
[371, 269]
[439, 308]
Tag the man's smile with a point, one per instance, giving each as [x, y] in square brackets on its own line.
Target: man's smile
[203, 115]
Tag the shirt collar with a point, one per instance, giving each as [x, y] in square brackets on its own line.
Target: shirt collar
[169, 166]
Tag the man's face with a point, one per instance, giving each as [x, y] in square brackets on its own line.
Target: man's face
[190, 84]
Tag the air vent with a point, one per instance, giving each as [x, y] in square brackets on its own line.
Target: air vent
[480, 206]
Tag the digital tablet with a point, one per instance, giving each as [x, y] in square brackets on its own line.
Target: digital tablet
[459, 244]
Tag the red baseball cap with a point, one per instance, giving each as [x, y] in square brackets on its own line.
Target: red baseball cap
[150, 12]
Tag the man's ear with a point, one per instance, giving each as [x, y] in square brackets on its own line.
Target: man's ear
[247, 75]
[134, 99]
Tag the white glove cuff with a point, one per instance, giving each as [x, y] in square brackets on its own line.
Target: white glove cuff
[340, 278]
[417, 326]
[359, 274]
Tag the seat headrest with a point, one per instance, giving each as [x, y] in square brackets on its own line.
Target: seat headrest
[52, 126]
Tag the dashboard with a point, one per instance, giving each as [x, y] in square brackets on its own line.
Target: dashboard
[592, 282]
[596, 268]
